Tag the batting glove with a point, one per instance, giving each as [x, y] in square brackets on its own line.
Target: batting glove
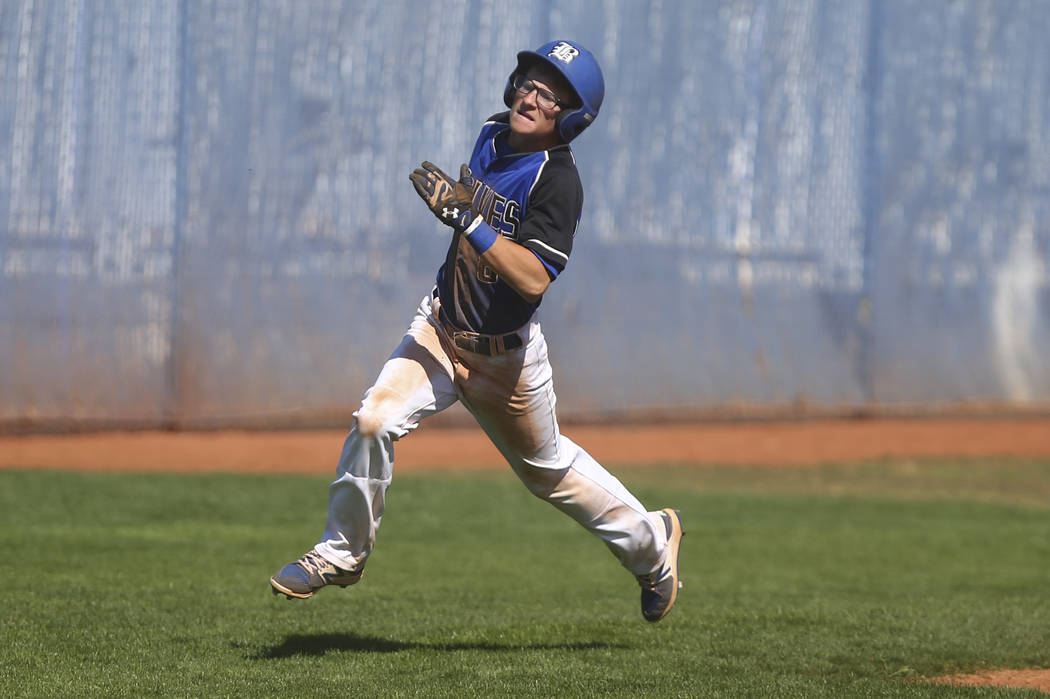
[450, 200]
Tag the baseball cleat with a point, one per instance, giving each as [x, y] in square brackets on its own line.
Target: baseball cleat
[660, 588]
[302, 578]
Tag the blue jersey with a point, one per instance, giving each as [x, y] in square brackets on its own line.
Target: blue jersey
[533, 199]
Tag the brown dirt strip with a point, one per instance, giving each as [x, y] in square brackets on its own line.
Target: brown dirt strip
[739, 443]
[1019, 679]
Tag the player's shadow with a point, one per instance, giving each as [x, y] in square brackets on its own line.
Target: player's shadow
[319, 644]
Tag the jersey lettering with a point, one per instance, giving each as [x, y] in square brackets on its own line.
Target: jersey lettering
[500, 212]
[486, 274]
[511, 216]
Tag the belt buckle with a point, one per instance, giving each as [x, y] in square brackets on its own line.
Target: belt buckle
[473, 342]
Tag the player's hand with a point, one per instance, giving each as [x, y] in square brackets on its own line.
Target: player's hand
[449, 199]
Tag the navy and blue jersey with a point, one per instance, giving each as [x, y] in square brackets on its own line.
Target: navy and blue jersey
[533, 199]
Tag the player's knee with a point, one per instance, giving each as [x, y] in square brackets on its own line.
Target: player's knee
[373, 419]
[368, 423]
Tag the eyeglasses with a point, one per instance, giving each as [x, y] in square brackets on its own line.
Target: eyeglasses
[545, 99]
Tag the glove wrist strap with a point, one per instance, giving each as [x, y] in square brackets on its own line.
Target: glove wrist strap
[481, 235]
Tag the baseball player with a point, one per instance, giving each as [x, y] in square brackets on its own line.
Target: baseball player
[476, 338]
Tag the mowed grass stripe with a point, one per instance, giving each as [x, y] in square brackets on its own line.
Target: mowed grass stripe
[850, 583]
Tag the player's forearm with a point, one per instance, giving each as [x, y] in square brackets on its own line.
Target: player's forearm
[519, 268]
[515, 265]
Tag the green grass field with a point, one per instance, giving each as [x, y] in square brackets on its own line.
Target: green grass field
[849, 581]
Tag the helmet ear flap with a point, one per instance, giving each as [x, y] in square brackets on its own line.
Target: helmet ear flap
[566, 123]
[572, 123]
[508, 91]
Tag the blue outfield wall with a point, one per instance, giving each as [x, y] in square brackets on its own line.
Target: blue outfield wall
[795, 205]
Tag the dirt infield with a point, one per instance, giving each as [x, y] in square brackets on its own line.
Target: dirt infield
[745, 443]
[1019, 679]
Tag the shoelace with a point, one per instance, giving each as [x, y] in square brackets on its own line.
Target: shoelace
[313, 563]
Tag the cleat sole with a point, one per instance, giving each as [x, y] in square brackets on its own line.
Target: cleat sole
[281, 589]
[676, 535]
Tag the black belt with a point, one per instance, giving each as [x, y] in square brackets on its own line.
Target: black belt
[488, 345]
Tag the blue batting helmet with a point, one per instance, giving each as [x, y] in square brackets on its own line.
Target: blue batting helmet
[581, 71]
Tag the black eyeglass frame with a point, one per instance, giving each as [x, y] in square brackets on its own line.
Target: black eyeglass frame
[519, 83]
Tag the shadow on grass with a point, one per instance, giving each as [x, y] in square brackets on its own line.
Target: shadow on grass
[319, 644]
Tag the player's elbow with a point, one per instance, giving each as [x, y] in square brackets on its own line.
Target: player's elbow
[532, 289]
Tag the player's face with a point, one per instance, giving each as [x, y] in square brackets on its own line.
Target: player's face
[531, 121]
